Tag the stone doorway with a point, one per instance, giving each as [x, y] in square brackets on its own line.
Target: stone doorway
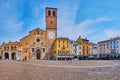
[6, 56]
[38, 54]
[13, 56]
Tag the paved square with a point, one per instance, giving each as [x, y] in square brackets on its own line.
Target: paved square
[60, 70]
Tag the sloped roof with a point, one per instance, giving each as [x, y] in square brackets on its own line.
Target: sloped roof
[32, 31]
[62, 38]
[104, 41]
[36, 30]
[11, 43]
[24, 37]
[116, 38]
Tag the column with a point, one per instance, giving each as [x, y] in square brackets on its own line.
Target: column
[3, 56]
[9, 55]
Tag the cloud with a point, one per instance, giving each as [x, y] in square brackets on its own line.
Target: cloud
[84, 28]
[105, 34]
[66, 17]
[110, 33]
[103, 19]
[67, 26]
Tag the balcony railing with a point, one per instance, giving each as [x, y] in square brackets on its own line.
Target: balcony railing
[11, 50]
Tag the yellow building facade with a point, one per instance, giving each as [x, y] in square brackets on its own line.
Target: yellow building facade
[62, 47]
[11, 50]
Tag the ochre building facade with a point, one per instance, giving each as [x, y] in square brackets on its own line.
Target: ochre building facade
[85, 46]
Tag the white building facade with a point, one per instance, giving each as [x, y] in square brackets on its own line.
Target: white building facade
[75, 48]
[115, 45]
[111, 46]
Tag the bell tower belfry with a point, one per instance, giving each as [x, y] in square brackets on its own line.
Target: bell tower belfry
[51, 28]
[51, 18]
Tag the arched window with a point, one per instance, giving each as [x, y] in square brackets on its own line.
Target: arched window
[8, 48]
[11, 48]
[4, 48]
[41, 33]
[33, 49]
[54, 13]
[34, 43]
[37, 32]
[51, 22]
[49, 13]
[15, 48]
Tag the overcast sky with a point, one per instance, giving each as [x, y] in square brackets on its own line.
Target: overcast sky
[95, 19]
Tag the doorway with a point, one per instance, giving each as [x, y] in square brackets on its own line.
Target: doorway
[6, 56]
[13, 56]
[38, 54]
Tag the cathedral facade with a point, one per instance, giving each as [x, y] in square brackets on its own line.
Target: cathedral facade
[38, 44]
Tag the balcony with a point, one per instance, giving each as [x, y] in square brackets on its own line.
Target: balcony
[11, 51]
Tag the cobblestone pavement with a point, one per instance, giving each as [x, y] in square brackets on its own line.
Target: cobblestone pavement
[60, 70]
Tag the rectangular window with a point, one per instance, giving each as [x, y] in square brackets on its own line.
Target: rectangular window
[41, 33]
[117, 42]
[114, 47]
[79, 47]
[33, 49]
[4, 48]
[59, 45]
[117, 46]
[104, 44]
[26, 43]
[80, 53]
[67, 42]
[114, 42]
[67, 46]
[58, 51]
[100, 48]
[43, 50]
[75, 52]
[111, 47]
[37, 32]
[75, 47]
[117, 51]
[107, 44]
[111, 42]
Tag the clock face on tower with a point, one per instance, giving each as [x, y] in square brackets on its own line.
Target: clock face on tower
[51, 35]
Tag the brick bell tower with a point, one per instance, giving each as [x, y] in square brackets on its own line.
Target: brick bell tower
[51, 29]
